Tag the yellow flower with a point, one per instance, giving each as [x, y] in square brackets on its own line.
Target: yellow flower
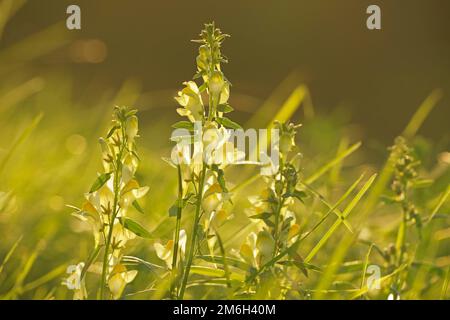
[191, 99]
[119, 278]
[218, 149]
[165, 252]
[132, 127]
[249, 251]
[265, 245]
[216, 83]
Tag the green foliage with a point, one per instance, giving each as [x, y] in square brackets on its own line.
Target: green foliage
[310, 229]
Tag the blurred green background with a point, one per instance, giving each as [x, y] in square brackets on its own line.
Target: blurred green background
[364, 85]
[380, 75]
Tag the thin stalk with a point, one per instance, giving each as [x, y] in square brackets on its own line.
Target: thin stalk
[278, 212]
[194, 232]
[115, 211]
[277, 226]
[177, 231]
[226, 269]
[400, 246]
[210, 108]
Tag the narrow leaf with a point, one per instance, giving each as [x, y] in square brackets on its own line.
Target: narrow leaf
[227, 123]
[135, 227]
[225, 108]
[138, 207]
[101, 180]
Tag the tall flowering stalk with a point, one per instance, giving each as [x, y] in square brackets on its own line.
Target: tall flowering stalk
[277, 226]
[405, 174]
[202, 152]
[108, 202]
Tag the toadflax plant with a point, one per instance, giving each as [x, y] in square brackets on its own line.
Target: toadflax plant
[277, 227]
[203, 150]
[405, 174]
[106, 209]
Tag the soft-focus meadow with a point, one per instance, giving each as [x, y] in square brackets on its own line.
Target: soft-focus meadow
[50, 157]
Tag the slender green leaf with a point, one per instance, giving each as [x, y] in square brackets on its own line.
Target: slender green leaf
[135, 227]
[345, 213]
[101, 180]
[138, 207]
[227, 123]
[184, 125]
[225, 108]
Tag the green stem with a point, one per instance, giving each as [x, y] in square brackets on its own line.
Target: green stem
[211, 108]
[225, 263]
[277, 226]
[194, 233]
[115, 211]
[107, 245]
[177, 231]
[400, 246]
[280, 205]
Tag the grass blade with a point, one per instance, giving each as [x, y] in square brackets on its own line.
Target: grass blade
[422, 113]
[22, 137]
[441, 201]
[341, 156]
[10, 253]
[345, 213]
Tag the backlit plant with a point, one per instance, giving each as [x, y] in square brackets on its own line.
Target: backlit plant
[286, 229]
[405, 174]
[200, 157]
[278, 229]
[107, 207]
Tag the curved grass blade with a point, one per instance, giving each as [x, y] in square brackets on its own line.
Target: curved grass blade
[10, 253]
[22, 137]
[336, 160]
[345, 213]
